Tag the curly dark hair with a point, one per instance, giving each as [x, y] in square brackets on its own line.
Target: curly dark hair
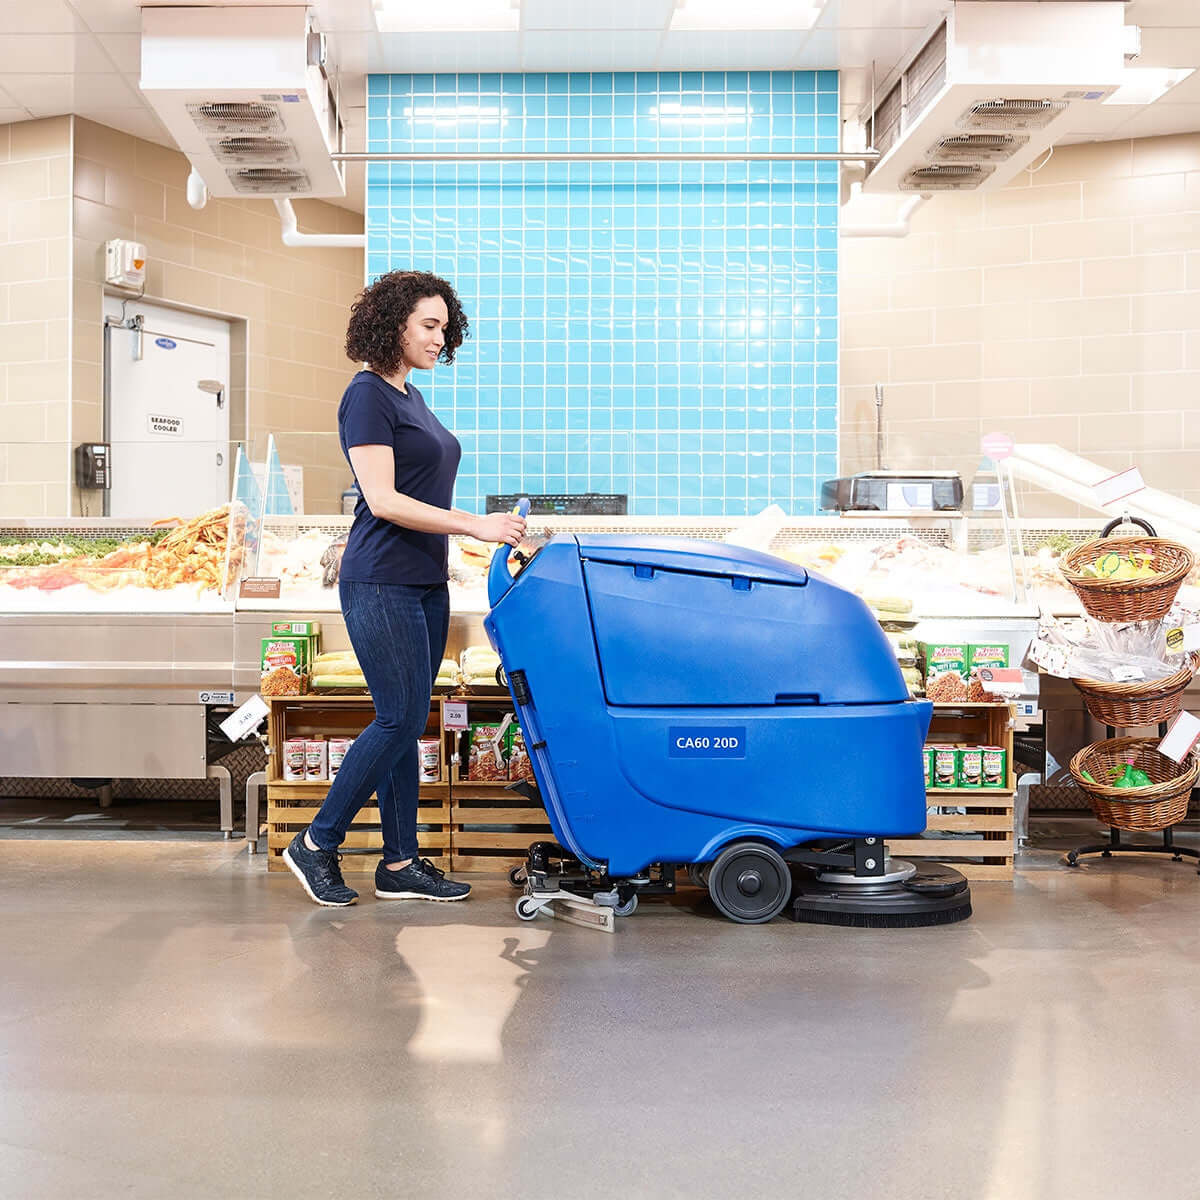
[382, 310]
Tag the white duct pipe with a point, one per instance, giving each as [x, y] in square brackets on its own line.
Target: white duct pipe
[1037, 464]
[898, 228]
[292, 237]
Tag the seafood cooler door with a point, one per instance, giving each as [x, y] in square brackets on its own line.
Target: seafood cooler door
[166, 410]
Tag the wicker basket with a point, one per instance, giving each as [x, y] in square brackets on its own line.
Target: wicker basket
[1163, 803]
[1131, 599]
[1125, 705]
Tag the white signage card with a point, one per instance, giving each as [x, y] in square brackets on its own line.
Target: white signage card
[1182, 735]
[1126, 674]
[1117, 487]
[1191, 637]
[455, 714]
[216, 697]
[246, 719]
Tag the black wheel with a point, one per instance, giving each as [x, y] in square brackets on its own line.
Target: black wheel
[628, 908]
[527, 910]
[516, 876]
[696, 873]
[750, 883]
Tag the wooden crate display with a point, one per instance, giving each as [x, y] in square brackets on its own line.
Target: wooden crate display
[979, 840]
[291, 805]
[491, 827]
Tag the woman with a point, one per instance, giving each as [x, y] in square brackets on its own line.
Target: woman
[393, 579]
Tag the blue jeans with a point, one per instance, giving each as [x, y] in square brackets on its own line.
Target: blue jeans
[399, 635]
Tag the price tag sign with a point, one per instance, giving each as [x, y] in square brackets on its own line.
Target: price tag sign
[260, 587]
[1182, 734]
[215, 697]
[1117, 487]
[1126, 674]
[997, 446]
[245, 720]
[1003, 681]
[455, 714]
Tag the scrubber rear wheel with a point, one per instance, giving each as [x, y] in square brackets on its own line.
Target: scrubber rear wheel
[750, 883]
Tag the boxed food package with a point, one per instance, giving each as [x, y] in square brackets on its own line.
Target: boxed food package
[995, 767]
[945, 766]
[970, 767]
[990, 655]
[295, 628]
[286, 665]
[520, 765]
[486, 759]
[945, 671]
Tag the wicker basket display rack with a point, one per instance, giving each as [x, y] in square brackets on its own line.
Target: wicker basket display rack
[1130, 599]
[1126, 705]
[1158, 806]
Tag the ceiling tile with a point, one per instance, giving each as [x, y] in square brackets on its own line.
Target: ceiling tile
[426, 52]
[594, 50]
[53, 53]
[10, 116]
[140, 123]
[47, 16]
[125, 50]
[110, 16]
[1161, 118]
[734, 51]
[879, 14]
[885, 47]
[1163, 12]
[345, 16]
[596, 14]
[50, 95]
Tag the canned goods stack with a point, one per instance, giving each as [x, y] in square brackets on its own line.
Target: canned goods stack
[951, 766]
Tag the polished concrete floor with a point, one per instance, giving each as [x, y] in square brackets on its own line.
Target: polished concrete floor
[176, 1023]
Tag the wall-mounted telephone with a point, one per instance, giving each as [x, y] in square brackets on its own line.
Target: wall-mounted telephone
[92, 465]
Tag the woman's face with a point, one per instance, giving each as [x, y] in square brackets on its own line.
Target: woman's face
[424, 335]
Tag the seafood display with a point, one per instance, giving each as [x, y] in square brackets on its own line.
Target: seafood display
[194, 563]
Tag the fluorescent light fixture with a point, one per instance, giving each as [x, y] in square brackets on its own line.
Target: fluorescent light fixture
[1144, 85]
[453, 113]
[447, 16]
[672, 111]
[745, 15]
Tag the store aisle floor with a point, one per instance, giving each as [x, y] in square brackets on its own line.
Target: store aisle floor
[174, 1022]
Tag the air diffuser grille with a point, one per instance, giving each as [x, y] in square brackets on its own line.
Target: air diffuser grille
[272, 180]
[236, 116]
[936, 177]
[977, 147]
[1011, 114]
[266, 151]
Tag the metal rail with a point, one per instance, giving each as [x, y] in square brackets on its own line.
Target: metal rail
[580, 156]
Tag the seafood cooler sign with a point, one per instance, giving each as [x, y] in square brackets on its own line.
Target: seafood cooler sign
[168, 426]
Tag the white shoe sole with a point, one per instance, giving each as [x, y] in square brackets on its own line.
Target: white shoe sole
[418, 896]
[299, 874]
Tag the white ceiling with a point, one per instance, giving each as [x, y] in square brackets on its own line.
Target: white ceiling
[82, 56]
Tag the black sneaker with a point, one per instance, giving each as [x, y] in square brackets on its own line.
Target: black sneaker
[320, 874]
[420, 880]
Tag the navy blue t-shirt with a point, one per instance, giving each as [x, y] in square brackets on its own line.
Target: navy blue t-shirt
[373, 413]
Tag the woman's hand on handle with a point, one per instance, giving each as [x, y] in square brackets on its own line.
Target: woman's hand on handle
[500, 527]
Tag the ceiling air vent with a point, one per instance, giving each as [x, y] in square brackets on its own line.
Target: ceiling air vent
[959, 177]
[977, 147]
[1011, 114]
[277, 181]
[263, 151]
[226, 116]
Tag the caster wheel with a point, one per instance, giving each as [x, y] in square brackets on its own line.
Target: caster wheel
[628, 908]
[517, 876]
[697, 874]
[750, 883]
[1072, 862]
[526, 909]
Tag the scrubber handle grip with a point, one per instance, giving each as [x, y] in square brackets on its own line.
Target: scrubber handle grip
[499, 577]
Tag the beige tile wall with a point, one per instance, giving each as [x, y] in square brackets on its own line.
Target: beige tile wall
[35, 291]
[1062, 308]
[290, 305]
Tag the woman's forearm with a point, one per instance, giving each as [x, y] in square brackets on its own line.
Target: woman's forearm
[425, 518]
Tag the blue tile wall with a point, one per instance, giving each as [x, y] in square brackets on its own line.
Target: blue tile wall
[665, 330]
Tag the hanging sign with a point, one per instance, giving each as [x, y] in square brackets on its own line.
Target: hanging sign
[246, 719]
[997, 446]
[1118, 487]
[1183, 734]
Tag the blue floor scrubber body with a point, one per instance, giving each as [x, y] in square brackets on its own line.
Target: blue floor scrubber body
[679, 697]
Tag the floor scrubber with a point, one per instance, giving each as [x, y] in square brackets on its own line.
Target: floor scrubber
[690, 703]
